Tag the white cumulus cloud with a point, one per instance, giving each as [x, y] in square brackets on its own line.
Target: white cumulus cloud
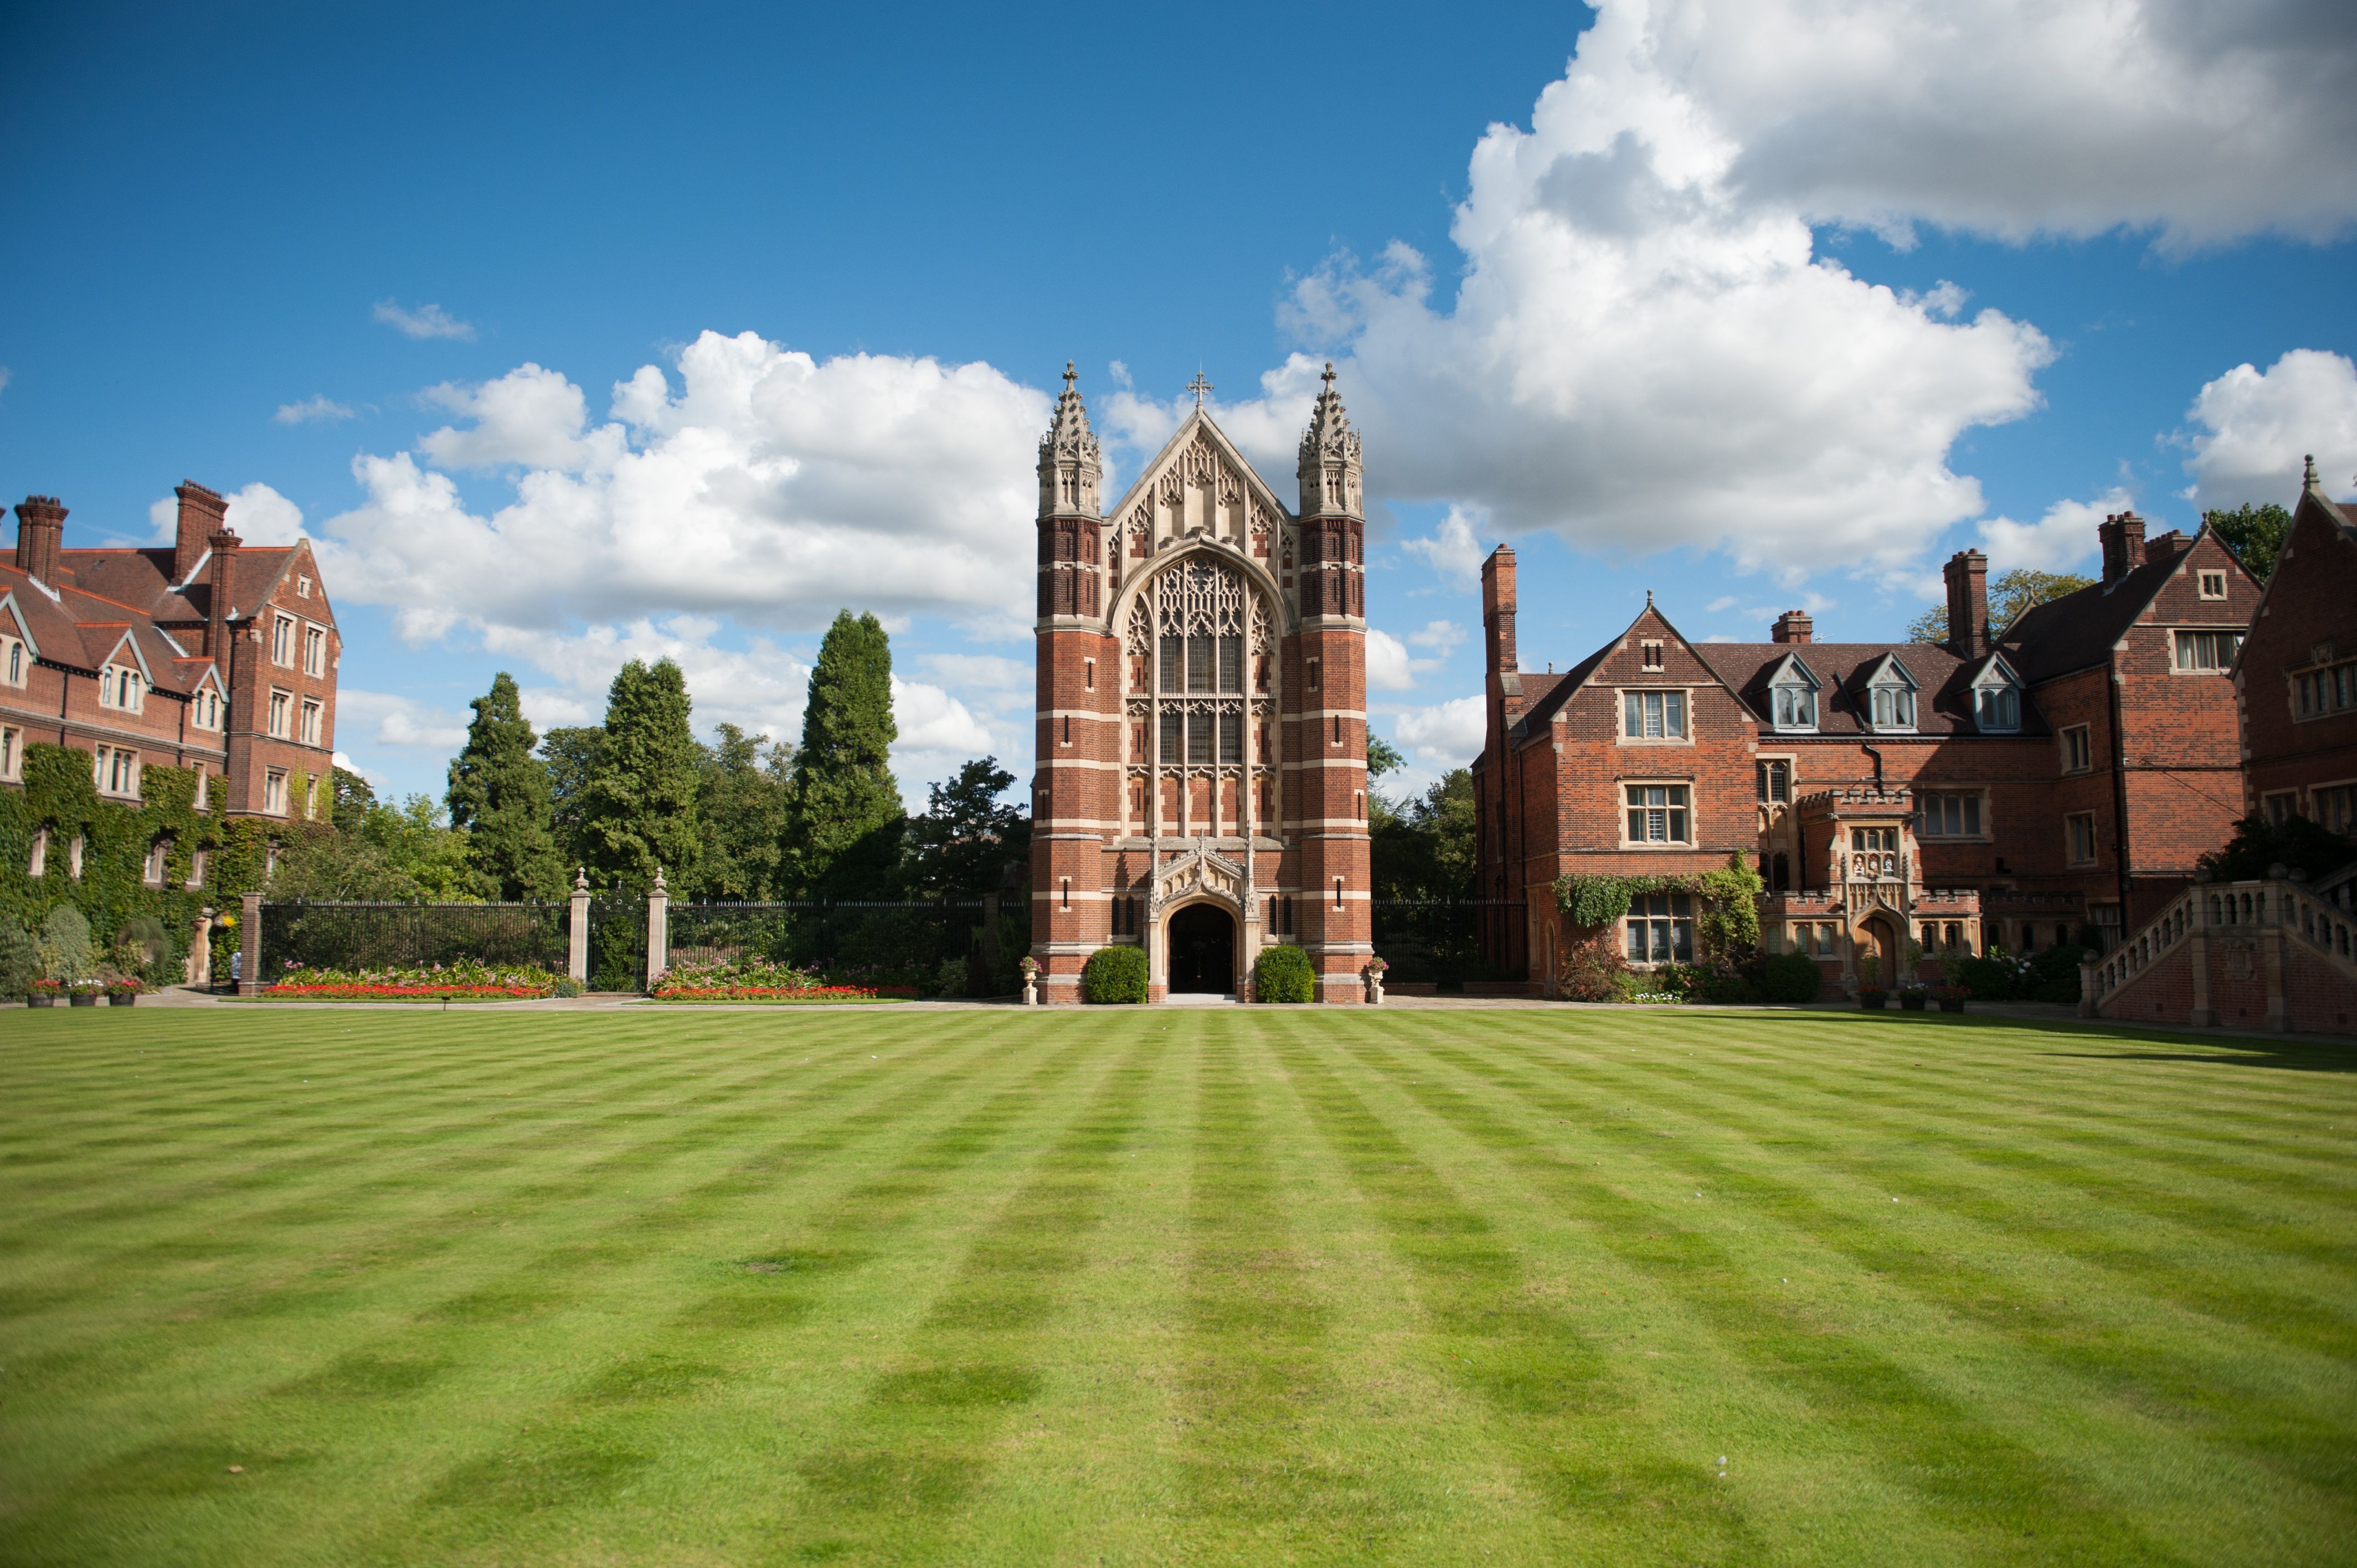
[2258, 426]
[1446, 735]
[2062, 539]
[257, 515]
[1453, 551]
[313, 410]
[389, 719]
[425, 322]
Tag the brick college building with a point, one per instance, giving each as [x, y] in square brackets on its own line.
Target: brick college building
[2005, 787]
[206, 655]
[1201, 712]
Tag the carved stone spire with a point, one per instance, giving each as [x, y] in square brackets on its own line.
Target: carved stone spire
[1330, 469]
[1071, 469]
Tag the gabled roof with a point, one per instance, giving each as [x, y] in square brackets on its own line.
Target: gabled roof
[83, 630]
[2314, 510]
[1548, 702]
[1198, 421]
[2079, 630]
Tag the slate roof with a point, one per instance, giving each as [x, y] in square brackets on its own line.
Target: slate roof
[80, 626]
[2077, 630]
[1943, 681]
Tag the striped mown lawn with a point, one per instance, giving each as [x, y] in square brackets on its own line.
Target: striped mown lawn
[1132, 1286]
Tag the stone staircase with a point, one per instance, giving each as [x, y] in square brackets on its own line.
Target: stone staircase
[2269, 954]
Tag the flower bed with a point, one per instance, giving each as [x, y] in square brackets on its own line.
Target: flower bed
[451, 983]
[763, 980]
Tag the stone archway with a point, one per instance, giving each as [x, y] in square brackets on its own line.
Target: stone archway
[1201, 950]
[1889, 946]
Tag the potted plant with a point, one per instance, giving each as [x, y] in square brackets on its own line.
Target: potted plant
[45, 992]
[1950, 997]
[123, 991]
[1870, 983]
[1374, 972]
[1030, 968]
[84, 993]
[1912, 998]
[1872, 997]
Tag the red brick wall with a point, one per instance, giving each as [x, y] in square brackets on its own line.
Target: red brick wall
[2311, 601]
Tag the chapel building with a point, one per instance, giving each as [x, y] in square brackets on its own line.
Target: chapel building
[1201, 788]
[2014, 786]
[207, 654]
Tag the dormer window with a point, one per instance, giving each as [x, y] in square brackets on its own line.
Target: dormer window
[120, 686]
[1997, 700]
[1890, 699]
[1793, 697]
[205, 709]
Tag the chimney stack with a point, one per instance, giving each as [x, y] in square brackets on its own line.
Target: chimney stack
[2122, 534]
[223, 544]
[1968, 627]
[40, 529]
[1792, 625]
[1497, 610]
[202, 514]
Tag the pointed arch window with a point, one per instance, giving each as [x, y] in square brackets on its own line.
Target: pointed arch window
[1193, 623]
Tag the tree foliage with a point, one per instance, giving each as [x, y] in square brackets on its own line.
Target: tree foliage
[2011, 594]
[638, 810]
[843, 814]
[741, 802]
[499, 799]
[2254, 534]
[1283, 973]
[571, 755]
[961, 847]
[1423, 848]
[1115, 975]
[405, 854]
[2295, 844]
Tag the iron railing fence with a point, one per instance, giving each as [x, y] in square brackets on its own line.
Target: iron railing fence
[298, 935]
[1440, 941]
[617, 944]
[849, 942]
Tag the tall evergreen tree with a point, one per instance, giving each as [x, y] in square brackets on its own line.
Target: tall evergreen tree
[571, 755]
[638, 814]
[499, 798]
[741, 801]
[844, 817]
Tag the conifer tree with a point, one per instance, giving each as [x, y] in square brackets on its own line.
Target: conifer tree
[742, 803]
[844, 816]
[638, 811]
[499, 796]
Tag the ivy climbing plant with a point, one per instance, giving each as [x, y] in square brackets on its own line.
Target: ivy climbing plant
[1727, 924]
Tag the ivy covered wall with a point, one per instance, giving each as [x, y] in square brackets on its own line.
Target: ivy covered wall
[57, 794]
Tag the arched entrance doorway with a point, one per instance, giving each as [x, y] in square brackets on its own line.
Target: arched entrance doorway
[1202, 949]
[1889, 954]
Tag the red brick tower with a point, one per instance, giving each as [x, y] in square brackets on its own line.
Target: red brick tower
[1201, 783]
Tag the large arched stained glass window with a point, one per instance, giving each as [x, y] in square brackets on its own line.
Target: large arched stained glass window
[1200, 655]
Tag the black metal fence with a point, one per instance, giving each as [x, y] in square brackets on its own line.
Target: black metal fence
[413, 936]
[1437, 941]
[910, 944]
[617, 944]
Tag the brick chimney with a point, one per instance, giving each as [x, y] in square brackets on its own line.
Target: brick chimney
[2165, 546]
[1792, 625]
[1497, 610]
[41, 526]
[223, 544]
[1968, 627]
[202, 514]
[2122, 534]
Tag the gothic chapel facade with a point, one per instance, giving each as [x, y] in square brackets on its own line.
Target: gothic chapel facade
[1201, 789]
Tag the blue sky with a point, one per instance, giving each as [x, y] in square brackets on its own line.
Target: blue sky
[575, 332]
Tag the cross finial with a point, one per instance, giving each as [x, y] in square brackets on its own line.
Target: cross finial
[1199, 387]
[1329, 376]
[1069, 377]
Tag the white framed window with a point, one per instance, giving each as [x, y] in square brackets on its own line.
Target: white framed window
[1660, 929]
[121, 686]
[1653, 716]
[2332, 690]
[2213, 585]
[1659, 813]
[1996, 702]
[2079, 831]
[158, 854]
[15, 660]
[200, 861]
[37, 864]
[1890, 700]
[12, 752]
[302, 587]
[281, 640]
[74, 857]
[205, 709]
[313, 712]
[1950, 814]
[274, 792]
[315, 650]
[2078, 749]
[281, 712]
[114, 769]
[2207, 652]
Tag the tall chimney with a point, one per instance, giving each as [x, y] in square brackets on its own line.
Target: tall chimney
[1968, 627]
[2122, 534]
[1497, 610]
[223, 544]
[1792, 625]
[202, 514]
[41, 526]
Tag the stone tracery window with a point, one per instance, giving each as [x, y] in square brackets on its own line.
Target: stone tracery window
[1194, 634]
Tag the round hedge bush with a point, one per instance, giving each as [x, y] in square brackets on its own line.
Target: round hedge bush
[1790, 977]
[1115, 975]
[1282, 974]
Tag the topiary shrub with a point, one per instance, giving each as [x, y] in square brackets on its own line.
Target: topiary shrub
[1790, 977]
[1282, 974]
[1115, 975]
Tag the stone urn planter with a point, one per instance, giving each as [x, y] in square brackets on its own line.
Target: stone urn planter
[1030, 967]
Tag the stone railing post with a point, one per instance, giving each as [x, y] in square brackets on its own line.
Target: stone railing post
[249, 978]
[576, 955]
[658, 929]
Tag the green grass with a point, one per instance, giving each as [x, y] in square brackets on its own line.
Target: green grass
[1149, 1286]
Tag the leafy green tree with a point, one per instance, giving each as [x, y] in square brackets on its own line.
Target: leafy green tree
[571, 753]
[1425, 850]
[2011, 594]
[741, 801]
[2254, 534]
[350, 800]
[408, 853]
[961, 847]
[499, 798]
[638, 811]
[844, 816]
[2297, 844]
